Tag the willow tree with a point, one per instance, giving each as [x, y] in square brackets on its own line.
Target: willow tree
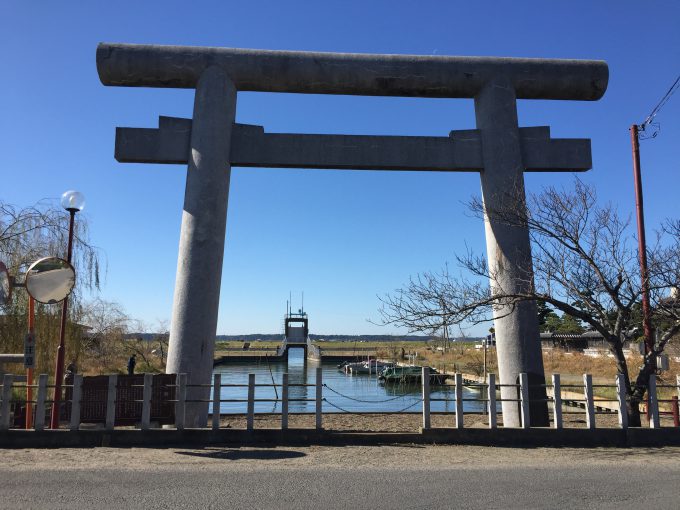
[585, 264]
[26, 235]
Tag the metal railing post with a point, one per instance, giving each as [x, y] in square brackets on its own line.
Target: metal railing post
[284, 402]
[180, 408]
[319, 398]
[557, 401]
[146, 401]
[524, 399]
[76, 397]
[111, 402]
[39, 422]
[590, 405]
[491, 400]
[676, 411]
[251, 402]
[458, 378]
[621, 401]
[216, 404]
[426, 397]
[5, 410]
[654, 422]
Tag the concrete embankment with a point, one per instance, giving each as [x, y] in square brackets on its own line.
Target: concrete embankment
[538, 437]
[261, 358]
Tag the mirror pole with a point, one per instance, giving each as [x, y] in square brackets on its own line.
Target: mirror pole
[59, 370]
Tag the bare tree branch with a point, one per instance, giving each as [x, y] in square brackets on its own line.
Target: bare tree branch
[585, 264]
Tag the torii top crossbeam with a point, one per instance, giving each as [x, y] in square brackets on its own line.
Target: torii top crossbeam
[134, 65]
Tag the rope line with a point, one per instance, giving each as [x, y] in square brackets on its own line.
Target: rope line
[363, 401]
[337, 407]
[420, 401]
[351, 412]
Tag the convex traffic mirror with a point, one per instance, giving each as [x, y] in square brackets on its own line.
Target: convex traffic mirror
[50, 280]
[5, 285]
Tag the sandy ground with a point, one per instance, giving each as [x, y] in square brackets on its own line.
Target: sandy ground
[399, 422]
[402, 422]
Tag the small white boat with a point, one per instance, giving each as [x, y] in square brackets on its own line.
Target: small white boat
[367, 367]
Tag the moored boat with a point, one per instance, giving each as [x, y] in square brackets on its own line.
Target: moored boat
[369, 367]
[364, 367]
[410, 374]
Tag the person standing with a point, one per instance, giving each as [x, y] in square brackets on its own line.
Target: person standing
[71, 369]
[131, 364]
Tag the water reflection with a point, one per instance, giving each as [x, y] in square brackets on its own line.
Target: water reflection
[341, 392]
[297, 375]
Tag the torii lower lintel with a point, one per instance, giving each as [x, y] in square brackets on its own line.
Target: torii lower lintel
[461, 151]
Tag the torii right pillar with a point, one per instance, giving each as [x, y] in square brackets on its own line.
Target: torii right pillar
[508, 247]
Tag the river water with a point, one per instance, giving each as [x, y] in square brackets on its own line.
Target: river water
[342, 392]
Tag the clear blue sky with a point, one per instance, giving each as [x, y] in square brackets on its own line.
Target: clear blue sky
[359, 233]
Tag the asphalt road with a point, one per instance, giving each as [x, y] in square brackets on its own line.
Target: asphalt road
[349, 477]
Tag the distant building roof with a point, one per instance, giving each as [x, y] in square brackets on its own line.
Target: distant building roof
[588, 335]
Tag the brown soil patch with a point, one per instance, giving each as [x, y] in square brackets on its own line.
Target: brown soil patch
[378, 422]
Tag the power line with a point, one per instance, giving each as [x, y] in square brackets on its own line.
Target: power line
[661, 104]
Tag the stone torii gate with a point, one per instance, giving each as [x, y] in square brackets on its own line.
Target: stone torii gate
[211, 143]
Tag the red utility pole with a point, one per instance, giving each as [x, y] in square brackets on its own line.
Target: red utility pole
[29, 371]
[642, 245]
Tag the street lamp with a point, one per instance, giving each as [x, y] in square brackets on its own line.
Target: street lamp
[73, 202]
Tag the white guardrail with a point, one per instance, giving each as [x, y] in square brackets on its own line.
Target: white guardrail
[557, 395]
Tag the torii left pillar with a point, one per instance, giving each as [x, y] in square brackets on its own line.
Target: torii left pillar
[201, 245]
